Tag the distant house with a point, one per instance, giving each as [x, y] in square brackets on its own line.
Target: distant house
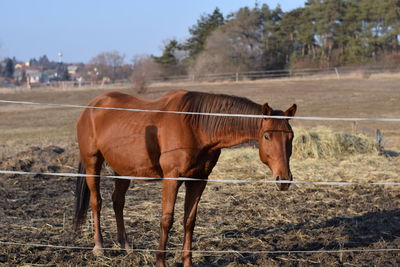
[73, 72]
[50, 75]
[72, 69]
[34, 75]
[18, 74]
[21, 65]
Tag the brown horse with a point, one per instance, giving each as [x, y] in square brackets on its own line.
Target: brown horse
[170, 145]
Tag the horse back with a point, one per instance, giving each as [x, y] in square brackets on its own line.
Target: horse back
[121, 100]
[132, 141]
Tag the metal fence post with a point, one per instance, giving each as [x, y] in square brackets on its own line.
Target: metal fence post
[337, 73]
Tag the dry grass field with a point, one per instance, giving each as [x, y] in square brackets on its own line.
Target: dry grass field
[240, 217]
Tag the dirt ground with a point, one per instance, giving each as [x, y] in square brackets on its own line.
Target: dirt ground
[240, 217]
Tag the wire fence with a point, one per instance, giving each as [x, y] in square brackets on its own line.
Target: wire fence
[338, 72]
[188, 179]
[201, 113]
[384, 250]
[6, 172]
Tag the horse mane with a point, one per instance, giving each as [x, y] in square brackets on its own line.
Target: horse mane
[218, 103]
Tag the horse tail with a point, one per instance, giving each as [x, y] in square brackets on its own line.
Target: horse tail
[82, 196]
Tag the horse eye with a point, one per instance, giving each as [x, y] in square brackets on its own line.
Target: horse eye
[267, 137]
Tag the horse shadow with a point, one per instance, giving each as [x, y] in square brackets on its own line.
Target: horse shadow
[390, 153]
[359, 232]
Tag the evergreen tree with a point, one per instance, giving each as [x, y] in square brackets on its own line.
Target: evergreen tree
[168, 55]
[392, 22]
[23, 77]
[65, 74]
[9, 68]
[44, 61]
[277, 45]
[350, 39]
[323, 33]
[168, 61]
[33, 62]
[199, 32]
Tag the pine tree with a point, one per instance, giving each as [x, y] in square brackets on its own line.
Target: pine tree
[9, 68]
[169, 62]
[350, 39]
[199, 32]
[44, 61]
[168, 56]
[391, 23]
[296, 37]
[323, 33]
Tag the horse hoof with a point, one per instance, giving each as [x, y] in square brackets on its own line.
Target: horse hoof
[98, 252]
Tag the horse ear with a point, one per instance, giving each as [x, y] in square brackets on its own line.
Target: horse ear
[291, 111]
[266, 110]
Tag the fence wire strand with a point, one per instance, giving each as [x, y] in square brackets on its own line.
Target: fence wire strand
[230, 181]
[385, 250]
[6, 243]
[202, 113]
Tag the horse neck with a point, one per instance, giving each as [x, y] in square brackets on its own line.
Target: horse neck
[224, 131]
[232, 136]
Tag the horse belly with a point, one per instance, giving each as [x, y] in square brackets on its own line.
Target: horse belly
[131, 158]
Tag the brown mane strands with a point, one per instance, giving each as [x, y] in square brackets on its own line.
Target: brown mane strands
[215, 126]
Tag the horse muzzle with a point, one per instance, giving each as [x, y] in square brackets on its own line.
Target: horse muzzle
[282, 186]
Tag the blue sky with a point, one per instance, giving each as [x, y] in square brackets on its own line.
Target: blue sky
[82, 29]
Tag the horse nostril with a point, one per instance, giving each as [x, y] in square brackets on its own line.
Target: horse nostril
[278, 177]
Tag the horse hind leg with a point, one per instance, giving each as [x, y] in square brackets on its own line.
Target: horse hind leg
[194, 190]
[93, 166]
[118, 197]
[169, 193]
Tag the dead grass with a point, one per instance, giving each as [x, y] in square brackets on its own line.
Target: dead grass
[355, 165]
[323, 142]
[231, 217]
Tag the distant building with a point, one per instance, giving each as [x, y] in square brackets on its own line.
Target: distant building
[73, 72]
[21, 65]
[19, 73]
[50, 75]
[34, 75]
[72, 69]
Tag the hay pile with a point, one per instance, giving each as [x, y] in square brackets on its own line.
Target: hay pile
[323, 143]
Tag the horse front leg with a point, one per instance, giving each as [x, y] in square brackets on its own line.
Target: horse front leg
[169, 192]
[118, 197]
[194, 190]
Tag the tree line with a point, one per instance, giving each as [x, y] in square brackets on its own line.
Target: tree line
[323, 33]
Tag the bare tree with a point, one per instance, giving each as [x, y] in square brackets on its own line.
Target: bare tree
[108, 64]
[145, 69]
[217, 56]
[236, 46]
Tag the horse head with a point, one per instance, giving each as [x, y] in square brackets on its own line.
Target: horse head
[275, 144]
